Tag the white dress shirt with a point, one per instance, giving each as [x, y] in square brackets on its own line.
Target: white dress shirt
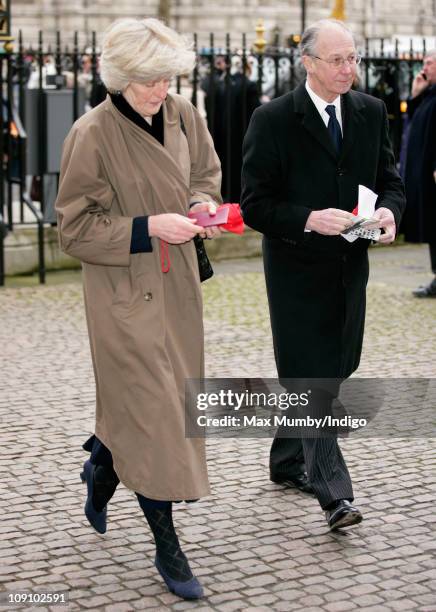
[321, 104]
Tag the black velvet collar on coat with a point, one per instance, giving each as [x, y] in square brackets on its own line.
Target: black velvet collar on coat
[156, 129]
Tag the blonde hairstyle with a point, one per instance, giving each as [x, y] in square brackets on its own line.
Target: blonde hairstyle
[141, 50]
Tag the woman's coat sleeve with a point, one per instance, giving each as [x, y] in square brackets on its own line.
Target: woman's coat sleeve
[87, 231]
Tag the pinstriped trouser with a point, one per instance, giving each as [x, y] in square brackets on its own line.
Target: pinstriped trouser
[318, 453]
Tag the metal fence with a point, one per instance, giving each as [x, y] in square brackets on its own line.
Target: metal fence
[46, 89]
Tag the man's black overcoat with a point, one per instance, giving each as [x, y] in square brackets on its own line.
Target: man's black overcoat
[234, 103]
[316, 284]
[419, 222]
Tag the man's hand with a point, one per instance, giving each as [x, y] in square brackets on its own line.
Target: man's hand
[420, 83]
[386, 221]
[212, 231]
[330, 221]
[173, 228]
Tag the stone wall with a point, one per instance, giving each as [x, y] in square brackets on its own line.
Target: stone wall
[368, 18]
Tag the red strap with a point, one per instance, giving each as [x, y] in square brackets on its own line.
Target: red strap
[165, 263]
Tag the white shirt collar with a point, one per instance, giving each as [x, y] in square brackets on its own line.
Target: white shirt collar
[321, 104]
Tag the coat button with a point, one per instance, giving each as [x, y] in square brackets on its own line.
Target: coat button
[107, 221]
[148, 296]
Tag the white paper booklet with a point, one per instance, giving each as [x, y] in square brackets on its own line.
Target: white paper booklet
[365, 212]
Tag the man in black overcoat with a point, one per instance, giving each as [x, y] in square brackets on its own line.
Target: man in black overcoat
[304, 156]
[230, 102]
[419, 222]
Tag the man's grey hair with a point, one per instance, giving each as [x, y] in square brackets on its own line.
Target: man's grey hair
[431, 53]
[310, 34]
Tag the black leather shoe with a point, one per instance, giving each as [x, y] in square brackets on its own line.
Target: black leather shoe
[343, 514]
[426, 291]
[300, 482]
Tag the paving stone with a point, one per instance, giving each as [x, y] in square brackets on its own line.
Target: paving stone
[340, 606]
[368, 578]
[221, 598]
[96, 602]
[118, 607]
[263, 600]
[260, 580]
[289, 594]
[374, 609]
[404, 604]
[297, 605]
[391, 594]
[337, 596]
[362, 589]
[145, 603]
[105, 578]
[367, 600]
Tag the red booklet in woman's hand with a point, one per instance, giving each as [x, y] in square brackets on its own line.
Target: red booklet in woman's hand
[228, 216]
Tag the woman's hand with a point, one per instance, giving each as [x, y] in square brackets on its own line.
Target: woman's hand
[173, 228]
[213, 231]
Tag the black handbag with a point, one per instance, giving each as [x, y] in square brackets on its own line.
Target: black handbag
[204, 266]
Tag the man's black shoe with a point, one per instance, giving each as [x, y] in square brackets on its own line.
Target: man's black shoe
[300, 482]
[343, 514]
[426, 291]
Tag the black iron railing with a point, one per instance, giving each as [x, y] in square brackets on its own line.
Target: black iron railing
[226, 84]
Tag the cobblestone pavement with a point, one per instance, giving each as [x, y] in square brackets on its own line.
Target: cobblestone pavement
[254, 545]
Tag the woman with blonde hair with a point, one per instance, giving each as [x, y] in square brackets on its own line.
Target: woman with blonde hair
[131, 169]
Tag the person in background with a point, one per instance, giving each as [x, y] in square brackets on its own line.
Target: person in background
[419, 221]
[230, 101]
[131, 169]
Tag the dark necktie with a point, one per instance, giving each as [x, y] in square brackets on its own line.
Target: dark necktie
[334, 128]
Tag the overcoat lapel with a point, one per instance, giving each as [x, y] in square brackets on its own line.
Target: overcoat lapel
[162, 159]
[172, 133]
[353, 121]
[311, 119]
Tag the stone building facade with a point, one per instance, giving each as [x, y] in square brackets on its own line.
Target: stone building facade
[370, 18]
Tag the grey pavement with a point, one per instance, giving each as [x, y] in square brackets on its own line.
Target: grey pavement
[254, 545]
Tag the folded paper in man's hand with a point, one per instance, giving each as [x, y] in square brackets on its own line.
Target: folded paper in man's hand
[364, 212]
[360, 222]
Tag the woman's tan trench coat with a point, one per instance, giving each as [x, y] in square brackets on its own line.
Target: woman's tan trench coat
[145, 326]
